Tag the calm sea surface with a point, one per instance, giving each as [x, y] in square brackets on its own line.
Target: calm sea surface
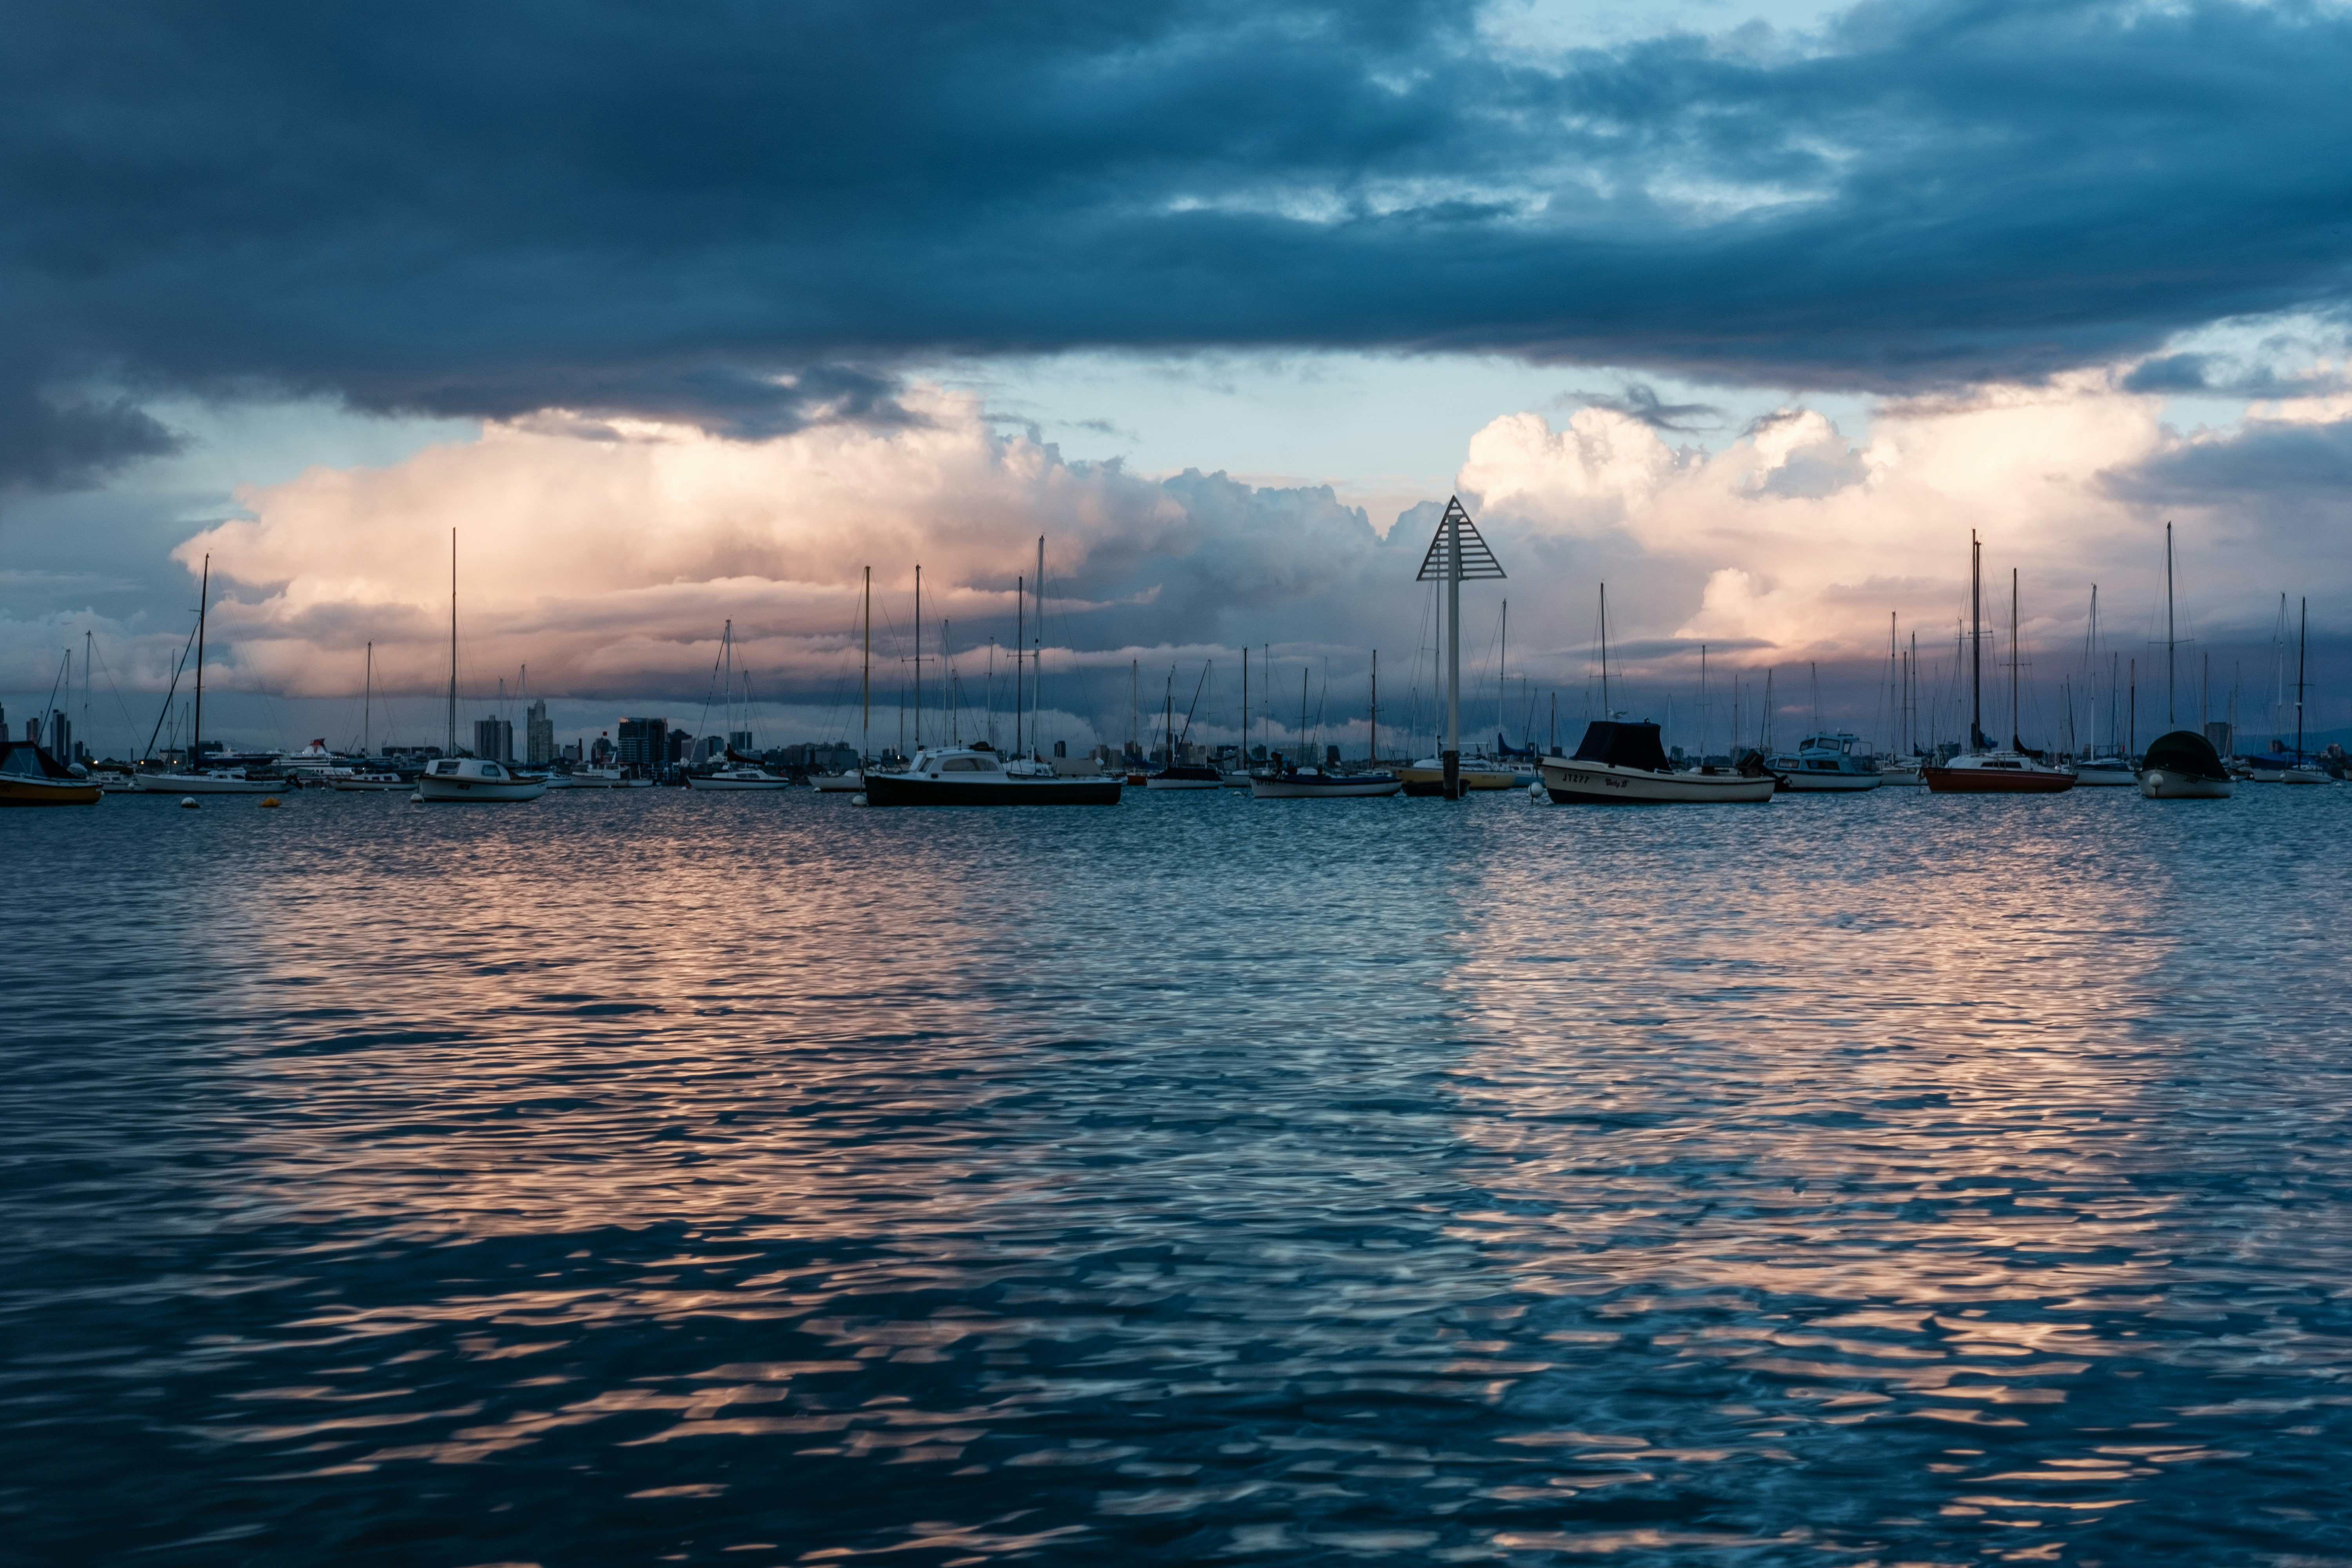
[661, 1177]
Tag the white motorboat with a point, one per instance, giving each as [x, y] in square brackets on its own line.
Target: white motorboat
[219, 782]
[1825, 763]
[1899, 771]
[1622, 763]
[2183, 765]
[314, 759]
[597, 778]
[974, 775]
[454, 780]
[737, 778]
[353, 781]
[2104, 773]
[1314, 783]
[850, 782]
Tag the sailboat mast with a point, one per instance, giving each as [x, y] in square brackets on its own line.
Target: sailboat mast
[1037, 656]
[1244, 748]
[449, 740]
[1975, 642]
[2168, 640]
[1502, 663]
[918, 656]
[2016, 730]
[727, 683]
[1374, 754]
[367, 698]
[204, 594]
[866, 680]
[1020, 650]
[2302, 646]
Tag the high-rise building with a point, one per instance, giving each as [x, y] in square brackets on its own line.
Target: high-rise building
[538, 735]
[494, 740]
[645, 743]
[740, 740]
[60, 737]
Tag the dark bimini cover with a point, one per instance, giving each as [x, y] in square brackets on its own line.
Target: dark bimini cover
[27, 761]
[2185, 751]
[1623, 745]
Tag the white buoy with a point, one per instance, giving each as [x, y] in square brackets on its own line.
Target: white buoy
[187, 803]
[1535, 792]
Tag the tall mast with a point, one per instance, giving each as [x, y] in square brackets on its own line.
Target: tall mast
[204, 594]
[2302, 646]
[2169, 642]
[1975, 642]
[449, 740]
[1374, 755]
[866, 680]
[1243, 747]
[1604, 651]
[367, 697]
[1502, 663]
[726, 680]
[918, 656]
[1037, 656]
[1302, 712]
[2016, 730]
[1702, 705]
[1911, 689]
[1020, 651]
[1168, 724]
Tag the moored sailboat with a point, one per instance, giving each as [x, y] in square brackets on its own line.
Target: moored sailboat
[1983, 771]
[2183, 765]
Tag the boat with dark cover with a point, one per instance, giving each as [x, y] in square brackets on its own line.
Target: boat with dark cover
[2183, 765]
[1622, 763]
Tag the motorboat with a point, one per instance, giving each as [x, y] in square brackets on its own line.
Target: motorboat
[1621, 762]
[1998, 773]
[452, 780]
[599, 778]
[1314, 783]
[2183, 765]
[1899, 771]
[1825, 763]
[1236, 778]
[2283, 767]
[30, 776]
[2098, 772]
[359, 781]
[739, 777]
[848, 783]
[975, 775]
[314, 759]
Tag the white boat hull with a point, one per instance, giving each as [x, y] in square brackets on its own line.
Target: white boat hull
[204, 784]
[2160, 783]
[2092, 777]
[1800, 782]
[837, 784]
[1339, 787]
[1895, 777]
[1569, 782]
[693, 781]
[2289, 775]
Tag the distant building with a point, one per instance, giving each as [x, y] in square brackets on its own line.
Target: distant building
[494, 740]
[679, 740]
[60, 737]
[740, 740]
[604, 751]
[2218, 731]
[707, 750]
[538, 735]
[645, 743]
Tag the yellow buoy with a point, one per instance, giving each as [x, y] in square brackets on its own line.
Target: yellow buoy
[271, 800]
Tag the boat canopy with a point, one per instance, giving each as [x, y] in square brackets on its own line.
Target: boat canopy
[2185, 751]
[25, 760]
[2278, 760]
[1622, 744]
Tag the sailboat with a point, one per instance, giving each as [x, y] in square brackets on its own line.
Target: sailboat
[1623, 762]
[854, 779]
[1983, 771]
[735, 771]
[2275, 767]
[1314, 783]
[194, 778]
[1174, 774]
[451, 779]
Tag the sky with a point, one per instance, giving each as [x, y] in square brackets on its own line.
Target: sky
[1753, 312]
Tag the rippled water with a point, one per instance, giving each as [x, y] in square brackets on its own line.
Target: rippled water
[666, 1177]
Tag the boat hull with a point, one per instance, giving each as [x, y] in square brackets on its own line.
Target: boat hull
[2105, 778]
[16, 790]
[1431, 781]
[2166, 784]
[915, 789]
[1895, 778]
[1796, 782]
[836, 784]
[692, 782]
[1997, 780]
[204, 784]
[434, 791]
[1339, 788]
[1571, 783]
[1157, 783]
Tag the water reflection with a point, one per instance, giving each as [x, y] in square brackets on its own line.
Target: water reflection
[755, 1179]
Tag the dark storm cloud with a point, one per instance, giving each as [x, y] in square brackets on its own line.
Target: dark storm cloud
[748, 215]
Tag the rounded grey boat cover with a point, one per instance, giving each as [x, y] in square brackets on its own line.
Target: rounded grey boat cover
[1623, 745]
[2185, 751]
